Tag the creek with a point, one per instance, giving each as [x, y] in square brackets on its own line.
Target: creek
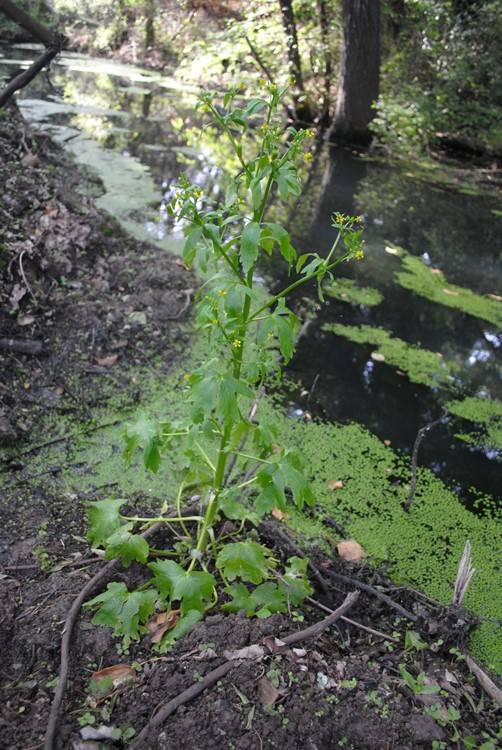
[412, 328]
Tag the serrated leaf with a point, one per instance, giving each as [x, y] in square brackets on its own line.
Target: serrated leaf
[235, 510]
[123, 611]
[245, 560]
[143, 432]
[194, 589]
[282, 238]
[262, 601]
[287, 181]
[287, 471]
[104, 518]
[296, 586]
[249, 245]
[127, 546]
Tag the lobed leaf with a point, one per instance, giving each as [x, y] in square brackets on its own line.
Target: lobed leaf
[245, 560]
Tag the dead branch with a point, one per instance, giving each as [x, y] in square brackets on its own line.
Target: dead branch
[314, 631]
[21, 346]
[486, 682]
[414, 459]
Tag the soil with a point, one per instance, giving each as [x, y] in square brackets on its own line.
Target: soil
[74, 292]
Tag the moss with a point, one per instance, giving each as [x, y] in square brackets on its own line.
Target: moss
[347, 290]
[487, 413]
[430, 283]
[421, 365]
[424, 546]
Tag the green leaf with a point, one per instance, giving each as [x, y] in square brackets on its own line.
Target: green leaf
[182, 627]
[282, 238]
[287, 471]
[244, 559]
[287, 181]
[233, 509]
[284, 324]
[190, 246]
[294, 582]
[127, 546]
[194, 589]
[123, 611]
[263, 601]
[143, 432]
[249, 245]
[104, 518]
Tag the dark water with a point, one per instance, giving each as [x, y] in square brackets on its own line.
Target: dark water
[146, 117]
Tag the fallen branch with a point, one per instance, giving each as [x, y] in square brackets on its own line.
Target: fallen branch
[414, 459]
[486, 682]
[314, 631]
[356, 624]
[21, 346]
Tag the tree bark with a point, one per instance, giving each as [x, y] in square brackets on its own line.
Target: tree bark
[360, 71]
[31, 25]
[302, 109]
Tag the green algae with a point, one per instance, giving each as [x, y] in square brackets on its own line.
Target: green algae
[422, 547]
[431, 283]
[347, 290]
[487, 414]
[421, 365]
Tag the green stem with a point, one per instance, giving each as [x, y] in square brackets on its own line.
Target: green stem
[297, 283]
[162, 519]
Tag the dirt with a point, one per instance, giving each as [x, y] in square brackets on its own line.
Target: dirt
[75, 294]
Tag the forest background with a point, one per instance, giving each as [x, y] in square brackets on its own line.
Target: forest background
[419, 73]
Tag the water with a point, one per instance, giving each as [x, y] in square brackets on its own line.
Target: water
[139, 130]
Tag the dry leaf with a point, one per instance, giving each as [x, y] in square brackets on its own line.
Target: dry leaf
[107, 360]
[25, 320]
[335, 484]
[267, 693]
[110, 681]
[377, 357]
[435, 270]
[279, 514]
[387, 442]
[450, 292]
[391, 250]
[181, 263]
[350, 550]
[159, 624]
[248, 652]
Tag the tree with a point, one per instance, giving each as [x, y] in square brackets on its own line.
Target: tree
[358, 85]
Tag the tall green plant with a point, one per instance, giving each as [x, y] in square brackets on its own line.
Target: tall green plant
[235, 462]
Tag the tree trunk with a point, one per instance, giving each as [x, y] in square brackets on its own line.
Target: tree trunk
[302, 109]
[360, 71]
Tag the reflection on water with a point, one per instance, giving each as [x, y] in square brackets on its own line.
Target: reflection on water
[432, 296]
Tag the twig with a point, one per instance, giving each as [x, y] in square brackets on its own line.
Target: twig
[486, 682]
[311, 392]
[21, 346]
[258, 59]
[314, 631]
[420, 436]
[370, 590]
[217, 674]
[23, 275]
[187, 695]
[356, 624]
[185, 306]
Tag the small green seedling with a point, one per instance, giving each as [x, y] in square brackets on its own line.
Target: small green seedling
[418, 686]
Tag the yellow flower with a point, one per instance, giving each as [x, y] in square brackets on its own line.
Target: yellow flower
[215, 321]
[310, 133]
[308, 156]
[359, 254]
[187, 377]
[222, 292]
[236, 343]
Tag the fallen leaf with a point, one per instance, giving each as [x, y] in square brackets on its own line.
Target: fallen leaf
[335, 484]
[159, 624]
[450, 292]
[495, 296]
[108, 682]
[436, 270]
[387, 442]
[248, 652]
[267, 693]
[391, 250]
[350, 550]
[279, 514]
[25, 320]
[107, 361]
[377, 357]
